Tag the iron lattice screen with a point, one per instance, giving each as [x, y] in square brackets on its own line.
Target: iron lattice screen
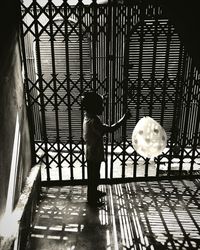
[130, 52]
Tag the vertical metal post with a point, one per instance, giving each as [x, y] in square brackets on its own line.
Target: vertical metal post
[197, 126]
[135, 163]
[164, 88]
[180, 102]
[125, 82]
[155, 39]
[68, 91]
[163, 106]
[175, 111]
[112, 67]
[54, 75]
[80, 7]
[189, 80]
[94, 43]
[40, 78]
[138, 106]
[107, 47]
[27, 93]
[146, 167]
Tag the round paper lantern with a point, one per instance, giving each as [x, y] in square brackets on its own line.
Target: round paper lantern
[149, 138]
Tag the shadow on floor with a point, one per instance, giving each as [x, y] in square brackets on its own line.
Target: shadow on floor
[143, 215]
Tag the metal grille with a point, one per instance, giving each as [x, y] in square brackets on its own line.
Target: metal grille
[129, 51]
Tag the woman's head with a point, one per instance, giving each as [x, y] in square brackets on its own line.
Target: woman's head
[92, 103]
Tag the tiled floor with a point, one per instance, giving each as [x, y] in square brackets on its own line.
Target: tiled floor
[143, 215]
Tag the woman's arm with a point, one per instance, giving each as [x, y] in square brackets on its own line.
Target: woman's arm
[118, 124]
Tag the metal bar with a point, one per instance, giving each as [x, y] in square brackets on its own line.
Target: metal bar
[138, 105]
[181, 78]
[151, 107]
[98, 53]
[155, 39]
[31, 72]
[119, 180]
[27, 93]
[165, 75]
[189, 80]
[40, 78]
[164, 89]
[135, 16]
[146, 167]
[112, 67]
[197, 126]
[94, 43]
[68, 91]
[119, 74]
[180, 100]
[142, 15]
[125, 83]
[55, 90]
[80, 11]
[107, 46]
[175, 113]
[182, 111]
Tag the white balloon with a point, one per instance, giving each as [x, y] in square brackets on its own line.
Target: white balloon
[149, 138]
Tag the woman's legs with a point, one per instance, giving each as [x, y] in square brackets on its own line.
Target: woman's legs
[93, 181]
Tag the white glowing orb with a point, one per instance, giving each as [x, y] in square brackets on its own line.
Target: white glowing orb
[149, 138]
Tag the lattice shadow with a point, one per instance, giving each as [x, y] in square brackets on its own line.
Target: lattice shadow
[143, 215]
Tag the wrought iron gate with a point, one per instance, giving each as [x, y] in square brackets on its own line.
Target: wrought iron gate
[129, 52]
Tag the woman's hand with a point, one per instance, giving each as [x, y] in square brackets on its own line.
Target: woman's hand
[118, 124]
[127, 115]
